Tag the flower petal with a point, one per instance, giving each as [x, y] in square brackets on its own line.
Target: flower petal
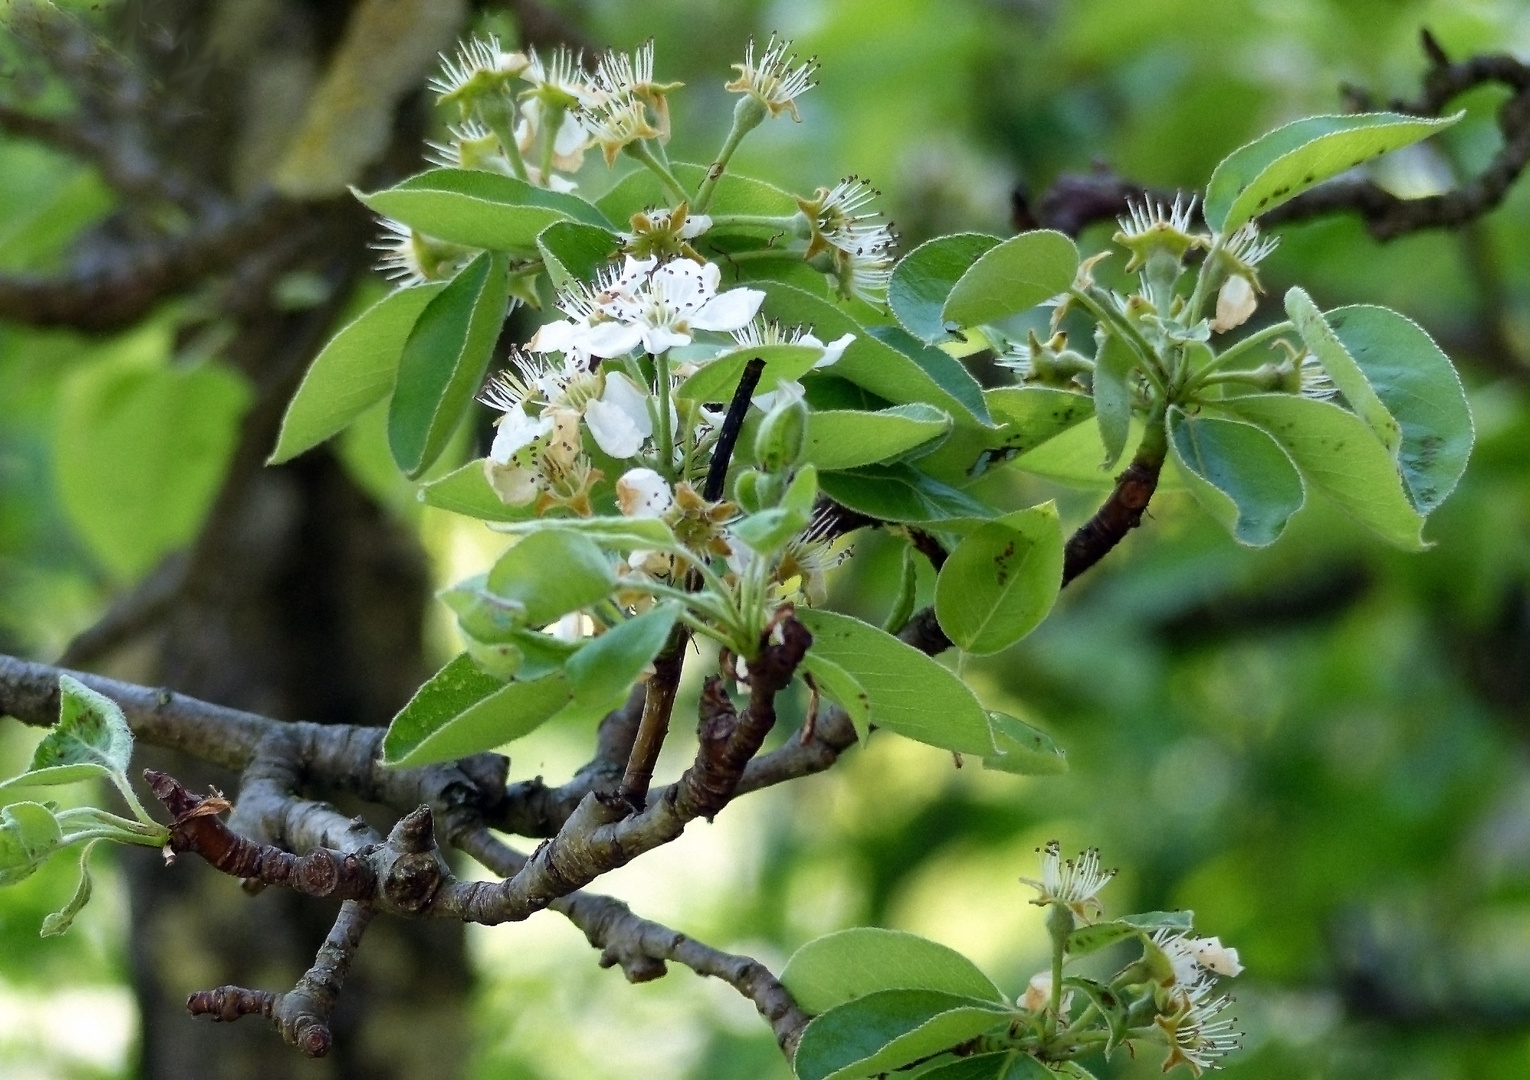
[643, 493]
[731, 310]
[613, 429]
[834, 350]
[516, 432]
[612, 339]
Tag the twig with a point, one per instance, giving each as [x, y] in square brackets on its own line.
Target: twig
[302, 1014]
[653, 727]
[727, 435]
[1120, 514]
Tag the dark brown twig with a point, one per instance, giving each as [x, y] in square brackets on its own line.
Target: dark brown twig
[1120, 514]
[727, 435]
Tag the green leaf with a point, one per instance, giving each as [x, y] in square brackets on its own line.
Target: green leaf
[461, 711]
[735, 194]
[575, 251]
[868, 361]
[614, 533]
[842, 688]
[1001, 1065]
[849, 964]
[1113, 364]
[1026, 751]
[1110, 1006]
[1000, 582]
[466, 491]
[1286, 162]
[1238, 473]
[949, 373]
[140, 447]
[552, 573]
[845, 439]
[1342, 369]
[444, 362]
[899, 492]
[1420, 388]
[608, 665]
[881, 1031]
[769, 529]
[61, 920]
[353, 372]
[910, 693]
[479, 209]
[1012, 278]
[718, 379]
[29, 833]
[924, 278]
[1027, 417]
[91, 730]
[1338, 455]
[1101, 935]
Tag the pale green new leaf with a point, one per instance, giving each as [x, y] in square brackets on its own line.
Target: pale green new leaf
[1027, 417]
[1113, 364]
[910, 693]
[61, 920]
[1285, 162]
[924, 278]
[551, 573]
[1026, 751]
[461, 711]
[1012, 278]
[887, 1029]
[848, 964]
[616, 533]
[842, 688]
[1319, 337]
[718, 379]
[91, 730]
[29, 833]
[1000, 581]
[1238, 473]
[353, 372]
[1339, 456]
[479, 209]
[848, 438]
[466, 491]
[444, 361]
[608, 665]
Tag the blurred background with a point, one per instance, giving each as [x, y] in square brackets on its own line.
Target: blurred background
[1321, 747]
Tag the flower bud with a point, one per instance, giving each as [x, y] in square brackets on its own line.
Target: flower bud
[746, 491]
[778, 444]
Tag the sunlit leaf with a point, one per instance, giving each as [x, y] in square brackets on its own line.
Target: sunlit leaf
[1342, 369]
[479, 209]
[1012, 278]
[1026, 751]
[1285, 162]
[353, 372]
[551, 573]
[924, 278]
[608, 665]
[1238, 473]
[444, 362]
[910, 693]
[1001, 580]
[884, 1030]
[848, 964]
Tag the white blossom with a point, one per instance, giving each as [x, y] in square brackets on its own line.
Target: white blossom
[643, 493]
[777, 80]
[1069, 882]
[657, 307]
[1235, 303]
[619, 419]
[475, 57]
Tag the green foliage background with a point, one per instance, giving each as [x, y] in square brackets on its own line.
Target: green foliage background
[1320, 747]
